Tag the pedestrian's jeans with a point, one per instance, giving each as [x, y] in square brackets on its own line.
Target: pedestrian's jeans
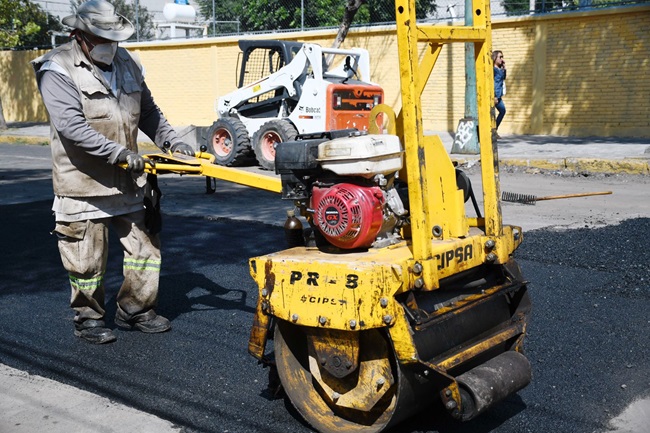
[501, 108]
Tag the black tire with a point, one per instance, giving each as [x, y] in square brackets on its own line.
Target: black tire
[274, 131]
[229, 142]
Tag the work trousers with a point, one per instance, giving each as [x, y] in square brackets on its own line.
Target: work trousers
[83, 246]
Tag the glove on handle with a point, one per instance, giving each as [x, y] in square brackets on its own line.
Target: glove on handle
[183, 148]
[134, 162]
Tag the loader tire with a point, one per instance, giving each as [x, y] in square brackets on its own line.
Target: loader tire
[264, 140]
[229, 142]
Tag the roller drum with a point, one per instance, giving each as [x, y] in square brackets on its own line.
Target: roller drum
[489, 383]
[405, 394]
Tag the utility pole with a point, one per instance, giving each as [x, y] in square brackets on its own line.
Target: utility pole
[137, 21]
[214, 20]
[466, 138]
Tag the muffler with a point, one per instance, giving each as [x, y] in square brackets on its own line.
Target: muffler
[491, 382]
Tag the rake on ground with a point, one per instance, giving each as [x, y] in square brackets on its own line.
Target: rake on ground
[532, 199]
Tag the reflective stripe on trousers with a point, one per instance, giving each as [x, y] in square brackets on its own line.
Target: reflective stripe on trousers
[83, 246]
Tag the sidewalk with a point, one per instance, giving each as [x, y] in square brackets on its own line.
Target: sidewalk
[31, 404]
[579, 154]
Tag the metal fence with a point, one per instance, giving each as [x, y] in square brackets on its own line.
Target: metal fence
[233, 17]
[292, 15]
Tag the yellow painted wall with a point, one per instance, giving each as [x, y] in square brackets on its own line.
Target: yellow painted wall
[579, 73]
[20, 98]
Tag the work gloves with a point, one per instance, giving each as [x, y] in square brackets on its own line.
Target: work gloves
[183, 148]
[134, 162]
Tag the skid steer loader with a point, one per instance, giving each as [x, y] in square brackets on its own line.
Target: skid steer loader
[284, 89]
[406, 293]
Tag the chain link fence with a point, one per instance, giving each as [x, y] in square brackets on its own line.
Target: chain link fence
[233, 17]
[176, 19]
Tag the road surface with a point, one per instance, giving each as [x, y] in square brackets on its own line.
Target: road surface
[586, 260]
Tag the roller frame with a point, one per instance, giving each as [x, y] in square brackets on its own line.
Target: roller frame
[410, 291]
[357, 291]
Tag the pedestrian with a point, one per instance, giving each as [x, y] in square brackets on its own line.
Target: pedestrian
[97, 99]
[499, 85]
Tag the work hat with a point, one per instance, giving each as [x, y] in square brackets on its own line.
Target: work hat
[98, 18]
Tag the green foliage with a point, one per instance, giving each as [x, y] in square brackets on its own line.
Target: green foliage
[264, 15]
[144, 26]
[383, 11]
[24, 25]
[521, 7]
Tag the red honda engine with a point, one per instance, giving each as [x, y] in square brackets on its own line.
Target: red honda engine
[349, 216]
[344, 183]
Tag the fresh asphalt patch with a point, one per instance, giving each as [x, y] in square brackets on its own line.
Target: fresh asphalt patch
[588, 338]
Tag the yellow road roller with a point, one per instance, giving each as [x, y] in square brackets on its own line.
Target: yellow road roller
[402, 292]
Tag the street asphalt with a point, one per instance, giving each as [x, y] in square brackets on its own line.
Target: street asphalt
[30, 403]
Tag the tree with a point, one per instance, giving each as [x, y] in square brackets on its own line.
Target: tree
[24, 25]
[521, 7]
[263, 15]
[351, 10]
[253, 15]
[144, 28]
[224, 11]
[382, 11]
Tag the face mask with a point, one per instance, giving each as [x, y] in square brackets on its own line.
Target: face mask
[104, 53]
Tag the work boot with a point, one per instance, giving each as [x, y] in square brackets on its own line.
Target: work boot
[149, 322]
[94, 331]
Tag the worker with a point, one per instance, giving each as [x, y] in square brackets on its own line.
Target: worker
[97, 99]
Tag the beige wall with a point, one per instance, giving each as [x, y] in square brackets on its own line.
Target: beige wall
[578, 73]
[585, 73]
[18, 90]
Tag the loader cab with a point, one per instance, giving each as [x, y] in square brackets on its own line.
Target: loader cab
[261, 58]
[258, 60]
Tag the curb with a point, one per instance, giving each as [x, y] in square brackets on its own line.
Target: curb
[636, 166]
[45, 141]
[583, 165]
[25, 139]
